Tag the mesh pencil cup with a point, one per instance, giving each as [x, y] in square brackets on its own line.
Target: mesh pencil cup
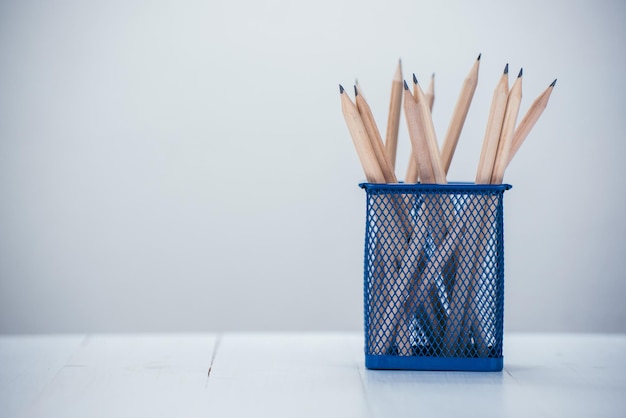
[434, 276]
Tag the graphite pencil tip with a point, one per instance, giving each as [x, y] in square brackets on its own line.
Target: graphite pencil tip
[406, 86]
[553, 83]
[520, 72]
[356, 91]
[506, 68]
[340, 89]
[414, 78]
[479, 55]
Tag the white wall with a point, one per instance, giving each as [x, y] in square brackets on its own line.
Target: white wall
[184, 165]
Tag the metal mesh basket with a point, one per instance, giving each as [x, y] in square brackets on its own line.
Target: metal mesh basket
[434, 276]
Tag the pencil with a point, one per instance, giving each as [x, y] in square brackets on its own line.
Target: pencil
[365, 152]
[429, 93]
[484, 205]
[461, 289]
[381, 156]
[529, 120]
[402, 281]
[459, 115]
[432, 213]
[418, 140]
[494, 127]
[429, 132]
[374, 136]
[394, 213]
[393, 119]
[508, 126]
[480, 313]
[411, 171]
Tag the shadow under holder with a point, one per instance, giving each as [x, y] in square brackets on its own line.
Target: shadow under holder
[434, 276]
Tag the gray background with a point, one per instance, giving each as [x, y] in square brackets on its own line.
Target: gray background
[184, 165]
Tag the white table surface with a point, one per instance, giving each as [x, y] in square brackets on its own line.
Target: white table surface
[299, 375]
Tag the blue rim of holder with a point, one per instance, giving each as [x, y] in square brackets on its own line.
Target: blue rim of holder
[453, 186]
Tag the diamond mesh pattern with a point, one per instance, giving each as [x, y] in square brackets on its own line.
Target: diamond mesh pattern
[434, 271]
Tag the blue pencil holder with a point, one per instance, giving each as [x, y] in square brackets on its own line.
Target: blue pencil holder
[434, 276]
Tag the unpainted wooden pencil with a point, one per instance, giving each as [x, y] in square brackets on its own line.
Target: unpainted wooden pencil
[393, 119]
[411, 170]
[427, 125]
[419, 146]
[530, 119]
[494, 127]
[365, 152]
[374, 136]
[459, 115]
[508, 126]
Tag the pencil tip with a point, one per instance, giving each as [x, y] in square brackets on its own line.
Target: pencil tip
[414, 78]
[340, 89]
[506, 68]
[356, 91]
[398, 75]
[553, 83]
[432, 76]
[479, 55]
[520, 72]
[406, 87]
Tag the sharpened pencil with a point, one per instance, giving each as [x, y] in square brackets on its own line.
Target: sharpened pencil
[494, 127]
[459, 115]
[374, 136]
[508, 126]
[529, 120]
[393, 119]
[411, 170]
[419, 146]
[373, 172]
[429, 132]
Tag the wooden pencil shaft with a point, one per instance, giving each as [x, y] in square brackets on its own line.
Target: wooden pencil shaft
[494, 127]
[412, 174]
[389, 249]
[427, 125]
[365, 152]
[483, 210]
[529, 120]
[430, 93]
[458, 296]
[374, 136]
[508, 126]
[426, 155]
[401, 281]
[381, 157]
[419, 145]
[459, 115]
[394, 215]
[476, 310]
[393, 118]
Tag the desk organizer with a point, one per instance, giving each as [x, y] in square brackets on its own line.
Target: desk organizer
[434, 276]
